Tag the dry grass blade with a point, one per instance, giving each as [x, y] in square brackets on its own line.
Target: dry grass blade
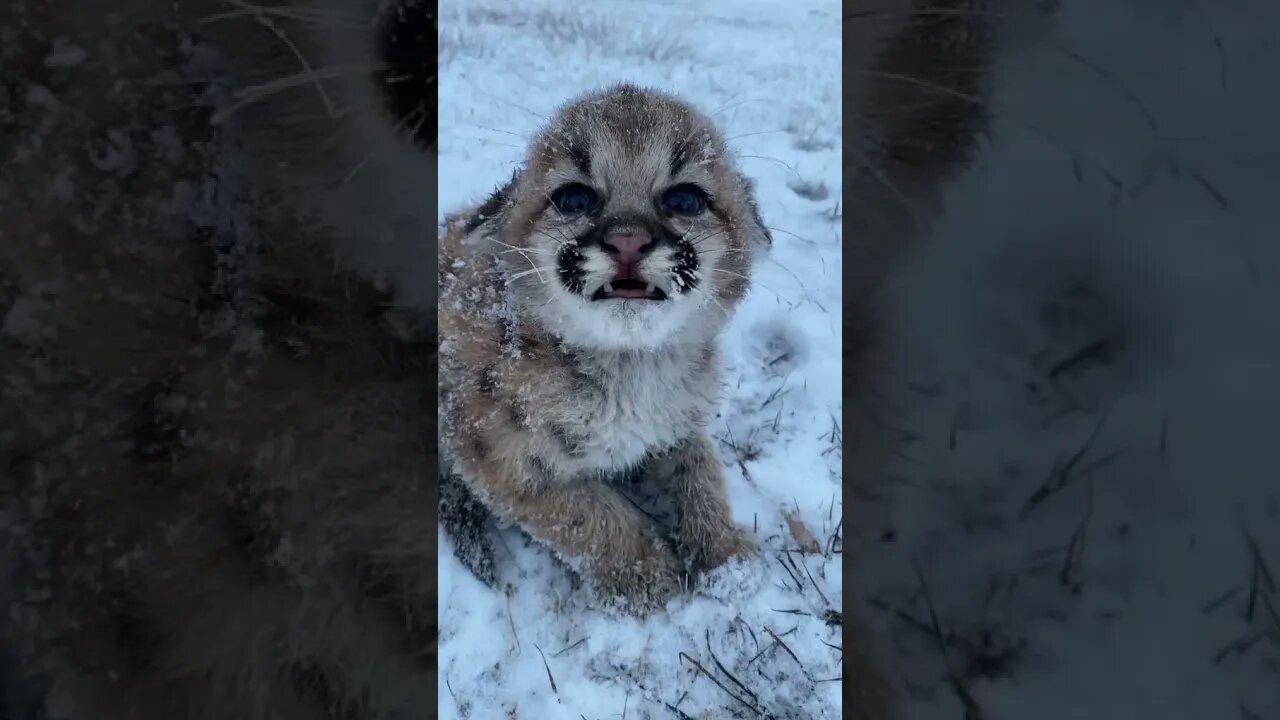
[1075, 548]
[512, 622]
[1262, 583]
[835, 543]
[796, 580]
[1218, 196]
[1219, 601]
[972, 711]
[1260, 560]
[784, 646]
[754, 698]
[1239, 646]
[1062, 477]
[821, 594]
[567, 649]
[682, 715]
[550, 677]
[730, 693]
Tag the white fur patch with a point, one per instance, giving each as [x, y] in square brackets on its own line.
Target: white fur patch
[617, 324]
[647, 405]
[625, 324]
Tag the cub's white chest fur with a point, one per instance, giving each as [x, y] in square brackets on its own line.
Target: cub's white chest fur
[635, 403]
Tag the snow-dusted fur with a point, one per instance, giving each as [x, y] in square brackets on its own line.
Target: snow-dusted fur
[219, 490]
[549, 391]
[216, 281]
[779, 397]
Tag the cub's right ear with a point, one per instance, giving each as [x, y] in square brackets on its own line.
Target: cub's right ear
[758, 236]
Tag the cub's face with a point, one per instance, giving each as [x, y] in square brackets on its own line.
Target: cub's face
[629, 225]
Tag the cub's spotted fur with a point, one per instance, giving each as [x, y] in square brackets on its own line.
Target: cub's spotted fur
[579, 315]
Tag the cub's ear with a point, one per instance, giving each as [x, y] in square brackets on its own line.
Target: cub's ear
[758, 236]
[495, 207]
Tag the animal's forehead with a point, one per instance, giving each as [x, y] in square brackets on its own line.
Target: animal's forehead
[632, 136]
[630, 119]
[627, 136]
[611, 155]
[625, 112]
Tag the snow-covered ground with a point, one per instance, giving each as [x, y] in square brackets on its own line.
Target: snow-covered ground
[1091, 493]
[1093, 496]
[772, 81]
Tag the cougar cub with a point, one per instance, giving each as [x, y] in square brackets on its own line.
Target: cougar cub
[580, 309]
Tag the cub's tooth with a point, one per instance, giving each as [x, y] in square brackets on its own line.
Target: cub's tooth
[608, 287]
[650, 289]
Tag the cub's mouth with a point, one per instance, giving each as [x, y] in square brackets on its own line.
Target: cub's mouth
[628, 289]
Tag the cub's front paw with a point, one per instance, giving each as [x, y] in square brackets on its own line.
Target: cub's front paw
[638, 580]
[729, 566]
[707, 551]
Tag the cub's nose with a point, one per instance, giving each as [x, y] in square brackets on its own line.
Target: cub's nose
[628, 248]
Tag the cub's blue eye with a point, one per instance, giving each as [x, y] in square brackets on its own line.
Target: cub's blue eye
[575, 199]
[684, 200]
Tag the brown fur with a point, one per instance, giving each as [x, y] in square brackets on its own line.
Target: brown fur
[539, 418]
[200, 526]
[220, 499]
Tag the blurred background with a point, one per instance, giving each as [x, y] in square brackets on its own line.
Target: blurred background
[1089, 485]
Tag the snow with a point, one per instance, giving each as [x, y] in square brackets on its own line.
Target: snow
[1038, 257]
[771, 80]
[1126, 196]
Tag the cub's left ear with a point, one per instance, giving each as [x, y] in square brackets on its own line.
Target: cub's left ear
[758, 236]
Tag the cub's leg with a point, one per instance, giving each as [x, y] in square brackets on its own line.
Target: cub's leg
[465, 521]
[617, 549]
[705, 531]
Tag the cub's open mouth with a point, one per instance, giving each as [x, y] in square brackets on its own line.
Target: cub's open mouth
[628, 289]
